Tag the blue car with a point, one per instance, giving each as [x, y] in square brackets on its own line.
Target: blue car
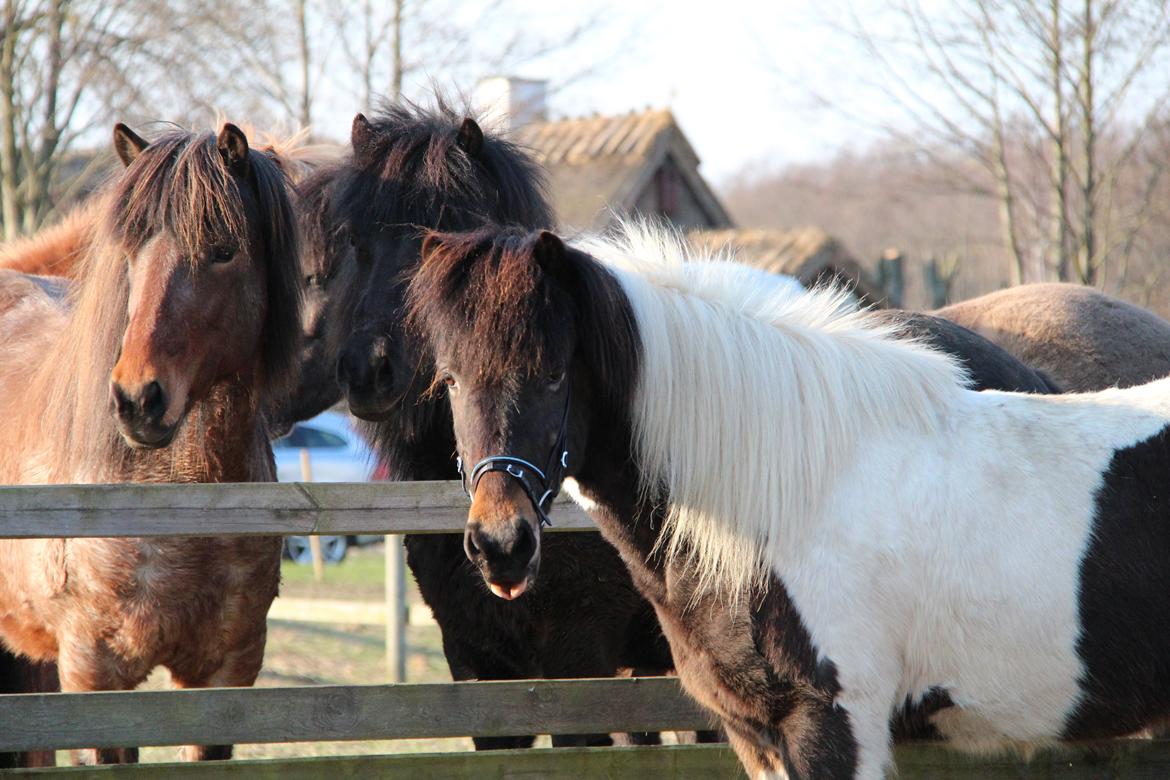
[337, 453]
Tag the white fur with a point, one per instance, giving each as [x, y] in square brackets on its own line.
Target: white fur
[929, 535]
[741, 391]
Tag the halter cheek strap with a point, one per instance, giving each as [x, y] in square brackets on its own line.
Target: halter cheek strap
[541, 487]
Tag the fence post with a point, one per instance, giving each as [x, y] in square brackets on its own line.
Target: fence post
[395, 609]
[314, 540]
[891, 277]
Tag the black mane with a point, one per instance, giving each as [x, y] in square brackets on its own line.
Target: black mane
[414, 175]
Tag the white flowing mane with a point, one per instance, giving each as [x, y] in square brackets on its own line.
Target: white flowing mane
[751, 398]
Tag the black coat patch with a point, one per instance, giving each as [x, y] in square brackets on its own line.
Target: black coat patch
[1124, 596]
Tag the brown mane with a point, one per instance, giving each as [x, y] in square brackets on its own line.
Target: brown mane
[488, 290]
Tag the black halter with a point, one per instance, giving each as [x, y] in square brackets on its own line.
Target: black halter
[541, 487]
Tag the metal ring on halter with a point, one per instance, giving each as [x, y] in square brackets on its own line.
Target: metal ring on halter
[550, 482]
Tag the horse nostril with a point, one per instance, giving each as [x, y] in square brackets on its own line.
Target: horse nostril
[470, 547]
[154, 401]
[524, 545]
[123, 406]
[383, 373]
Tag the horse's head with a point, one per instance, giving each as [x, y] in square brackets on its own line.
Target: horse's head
[206, 229]
[328, 272]
[514, 323]
[414, 170]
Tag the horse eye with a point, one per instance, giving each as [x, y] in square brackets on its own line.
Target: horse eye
[449, 381]
[223, 254]
[556, 377]
[313, 280]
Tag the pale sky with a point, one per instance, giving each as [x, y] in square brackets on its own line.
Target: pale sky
[731, 70]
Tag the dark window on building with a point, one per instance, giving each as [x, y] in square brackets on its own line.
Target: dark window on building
[667, 183]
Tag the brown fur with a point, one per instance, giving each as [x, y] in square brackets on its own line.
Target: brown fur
[110, 610]
[55, 251]
[1082, 339]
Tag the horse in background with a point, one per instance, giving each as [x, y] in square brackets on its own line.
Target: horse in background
[410, 169]
[159, 370]
[1081, 338]
[863, 537]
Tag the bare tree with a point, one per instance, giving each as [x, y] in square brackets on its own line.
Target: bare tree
[70, 67]
[1061, 92]
[402, 48]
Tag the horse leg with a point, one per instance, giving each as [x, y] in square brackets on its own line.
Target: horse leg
[570, 660]
[468, 662]
[758, 763]
[84, 667]
[239, 669]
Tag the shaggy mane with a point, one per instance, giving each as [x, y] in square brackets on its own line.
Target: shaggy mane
[745, 400]
[179, 184]
[413, 174]
[750, 399]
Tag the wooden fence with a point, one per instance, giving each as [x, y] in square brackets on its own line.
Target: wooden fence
[365, 712]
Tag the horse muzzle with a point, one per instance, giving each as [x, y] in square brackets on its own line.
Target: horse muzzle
[140, 414]
[507, 554]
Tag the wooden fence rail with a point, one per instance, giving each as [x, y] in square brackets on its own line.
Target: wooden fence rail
[336, 713]
[245, 509]
[352, 712]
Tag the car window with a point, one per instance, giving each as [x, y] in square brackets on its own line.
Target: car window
[307, 437]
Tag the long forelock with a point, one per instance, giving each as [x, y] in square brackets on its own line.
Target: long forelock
[179, 185]
[485, 289]
[750, 399]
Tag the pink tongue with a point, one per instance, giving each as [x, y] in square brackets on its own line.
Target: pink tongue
[509, 591]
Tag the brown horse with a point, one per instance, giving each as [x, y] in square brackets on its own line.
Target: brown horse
[1082, 339]
[183, 319]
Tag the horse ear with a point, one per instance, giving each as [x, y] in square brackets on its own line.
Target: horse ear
[128, 144]
[470, 138]
[361, 135]
[233, 147]
[549, 251]
[432, 241]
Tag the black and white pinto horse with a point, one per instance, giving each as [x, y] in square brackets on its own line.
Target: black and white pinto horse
[834, 531]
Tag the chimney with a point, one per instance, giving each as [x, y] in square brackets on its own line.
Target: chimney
[506, 102]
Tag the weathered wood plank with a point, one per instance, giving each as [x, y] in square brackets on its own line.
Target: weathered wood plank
[1123, 759]
[245, 509]
[310, 714]
[1126, 760]
[684, 762]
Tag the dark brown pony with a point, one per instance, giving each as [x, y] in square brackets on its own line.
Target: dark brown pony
[1081, 338]
[183, 319]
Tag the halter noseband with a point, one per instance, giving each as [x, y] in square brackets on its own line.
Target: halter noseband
[541, 487]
